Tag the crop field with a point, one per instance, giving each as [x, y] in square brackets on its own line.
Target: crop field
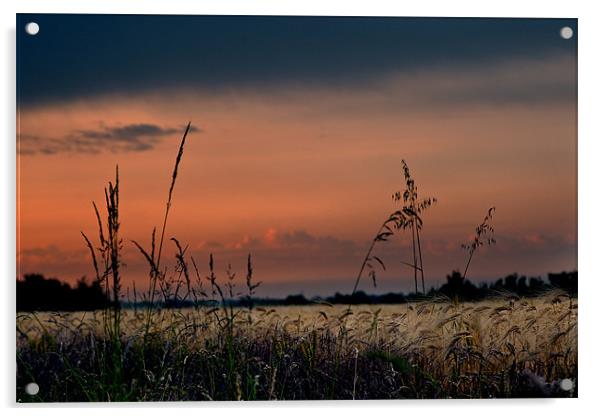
[503, 347]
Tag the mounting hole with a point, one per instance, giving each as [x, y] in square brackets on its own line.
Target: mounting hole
[566, 33]
[32, 389]
[566, 384]
[32, 28]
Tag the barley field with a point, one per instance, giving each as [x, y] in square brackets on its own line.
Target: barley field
[504, 347]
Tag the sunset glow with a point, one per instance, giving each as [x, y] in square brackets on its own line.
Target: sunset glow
[299, 171]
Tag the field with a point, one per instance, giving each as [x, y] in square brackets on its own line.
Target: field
[503, 347]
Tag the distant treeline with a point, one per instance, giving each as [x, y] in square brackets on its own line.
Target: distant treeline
[35, 292]
[456, 288]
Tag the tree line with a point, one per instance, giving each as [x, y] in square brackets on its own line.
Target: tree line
[35, 292]
[457, 288]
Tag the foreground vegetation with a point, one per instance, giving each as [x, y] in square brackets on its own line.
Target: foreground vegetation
[506, 347]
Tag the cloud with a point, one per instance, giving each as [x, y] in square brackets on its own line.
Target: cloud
[537, 243]
[302, 239]
[298, 240]
[212, 245]
[52, 260]
[134, 137]
[43, 253]
[531, 82]
[95, 55]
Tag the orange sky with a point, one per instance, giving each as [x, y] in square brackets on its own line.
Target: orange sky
[302, 177]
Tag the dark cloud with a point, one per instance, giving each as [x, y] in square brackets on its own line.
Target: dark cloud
[77, 56]
[564, 90]
[128, 138]
[529, 82]
[551, 79]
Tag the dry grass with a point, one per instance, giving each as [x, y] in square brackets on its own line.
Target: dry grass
[424, 350]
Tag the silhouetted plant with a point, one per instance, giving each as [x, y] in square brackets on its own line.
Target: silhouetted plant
[480, 238]
[413, 208]
[181, 270]
[110, 255]
[155, 273]
[395, 221]
[109, 250]
[250, 286]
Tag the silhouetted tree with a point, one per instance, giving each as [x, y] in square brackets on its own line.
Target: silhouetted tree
[510, 282]
[35, 292]
[565, 280]
[295, 300]
[536, 285]
[459, 288]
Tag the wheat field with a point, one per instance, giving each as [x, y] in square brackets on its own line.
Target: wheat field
[504, 347]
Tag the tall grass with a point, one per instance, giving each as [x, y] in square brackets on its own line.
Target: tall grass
[109, 276]
[154, 259]
[395, 221]
[409, 217]
[413, 208]
[109, 249]
[483, 236]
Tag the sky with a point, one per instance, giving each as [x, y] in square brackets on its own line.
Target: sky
[299, 125]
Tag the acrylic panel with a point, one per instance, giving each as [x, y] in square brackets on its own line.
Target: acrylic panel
[295, 208]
